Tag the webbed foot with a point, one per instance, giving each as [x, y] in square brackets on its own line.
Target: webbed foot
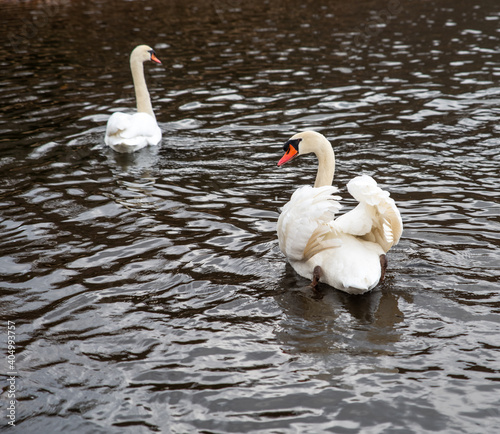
[383, 266]
[316, 277]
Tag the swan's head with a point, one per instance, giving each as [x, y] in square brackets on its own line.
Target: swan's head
[303, 143]
[144, 53]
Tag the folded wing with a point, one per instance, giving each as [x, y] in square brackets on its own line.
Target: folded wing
[136, 131]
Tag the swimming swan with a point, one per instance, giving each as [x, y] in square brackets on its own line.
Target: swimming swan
[347, 252]
[128, 133]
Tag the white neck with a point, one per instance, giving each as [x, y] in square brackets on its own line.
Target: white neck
[313, 142]
[141, 90]
[326, 166]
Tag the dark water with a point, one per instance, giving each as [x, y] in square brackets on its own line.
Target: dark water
[148, 292]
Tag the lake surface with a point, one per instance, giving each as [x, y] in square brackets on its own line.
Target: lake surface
[148, 292]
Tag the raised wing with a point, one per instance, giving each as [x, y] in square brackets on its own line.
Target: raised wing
[305, 220]
[376, 218]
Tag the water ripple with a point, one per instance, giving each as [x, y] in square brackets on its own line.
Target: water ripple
[148, 290]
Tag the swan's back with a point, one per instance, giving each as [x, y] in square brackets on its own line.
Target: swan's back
[129, 133]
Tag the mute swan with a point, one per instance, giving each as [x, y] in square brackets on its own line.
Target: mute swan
[347, 252]
[128, 133]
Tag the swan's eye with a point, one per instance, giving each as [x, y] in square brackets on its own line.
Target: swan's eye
[291, 149]
[152, 56]
[294, 143]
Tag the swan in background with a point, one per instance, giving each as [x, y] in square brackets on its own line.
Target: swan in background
[128, 133]
[347, 252]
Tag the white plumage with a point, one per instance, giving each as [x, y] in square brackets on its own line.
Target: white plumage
[309, 211]
[348, 248]
[131, 132]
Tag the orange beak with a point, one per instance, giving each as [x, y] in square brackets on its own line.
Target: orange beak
[155, 59]
[289, 155]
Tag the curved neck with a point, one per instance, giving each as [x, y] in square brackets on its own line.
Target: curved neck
[141, 90]
[326, 165]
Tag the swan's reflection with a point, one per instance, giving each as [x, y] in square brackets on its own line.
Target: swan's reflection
[135, 175]
[329, 320]
[143, 160]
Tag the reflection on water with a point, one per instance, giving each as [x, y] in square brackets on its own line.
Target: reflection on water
[148, 290]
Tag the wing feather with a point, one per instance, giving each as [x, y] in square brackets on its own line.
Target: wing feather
[128, 133]
[376, 218]
[303, 222]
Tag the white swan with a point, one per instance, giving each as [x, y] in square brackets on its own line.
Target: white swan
[129, 133]
[347, 252]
